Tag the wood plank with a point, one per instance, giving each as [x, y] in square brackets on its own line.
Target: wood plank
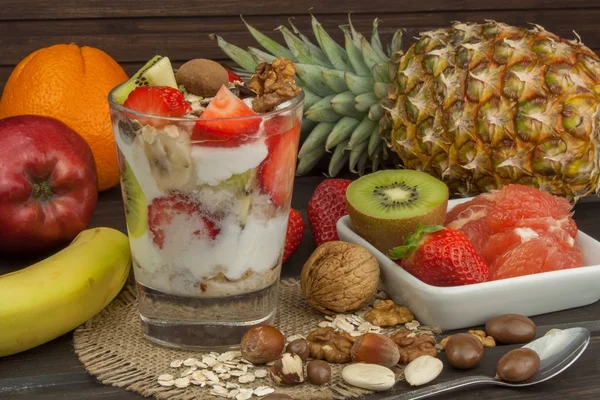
[137, 40]
[75, 9]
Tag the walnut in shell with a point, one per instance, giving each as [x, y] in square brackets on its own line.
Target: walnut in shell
[388, 313]
[339, 277]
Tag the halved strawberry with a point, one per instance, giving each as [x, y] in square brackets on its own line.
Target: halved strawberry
[161, 101]
[163, 210]
[276, 172]
[233, 77]
[225, 132]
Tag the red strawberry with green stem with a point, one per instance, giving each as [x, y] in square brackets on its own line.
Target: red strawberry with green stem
[295, 232]
[276, 172]
[326, 206]
[441, 256]
[161, 101]
[222, 124]
[163, 211]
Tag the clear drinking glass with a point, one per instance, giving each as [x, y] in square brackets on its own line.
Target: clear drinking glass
[207, 217]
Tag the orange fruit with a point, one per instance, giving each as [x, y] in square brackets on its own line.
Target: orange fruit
[70, 83]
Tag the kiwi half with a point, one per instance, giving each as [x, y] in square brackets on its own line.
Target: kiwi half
[135, 203]
[156, 72]
[387, 206]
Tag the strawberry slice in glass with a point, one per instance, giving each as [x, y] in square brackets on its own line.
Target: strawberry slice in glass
[226, 122]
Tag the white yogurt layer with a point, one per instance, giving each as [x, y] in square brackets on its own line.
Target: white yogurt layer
[215, 164]
[186, 259]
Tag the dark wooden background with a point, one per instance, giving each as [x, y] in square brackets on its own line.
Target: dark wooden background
[132, 31]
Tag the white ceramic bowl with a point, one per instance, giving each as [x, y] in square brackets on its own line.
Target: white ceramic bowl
[470, 305]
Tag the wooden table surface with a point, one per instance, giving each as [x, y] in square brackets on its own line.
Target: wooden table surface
[53, 371]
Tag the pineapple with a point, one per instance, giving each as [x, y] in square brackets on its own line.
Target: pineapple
[476, 105]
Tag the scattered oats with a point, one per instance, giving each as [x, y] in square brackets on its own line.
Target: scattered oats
[182, 382]
[165, 377]
[324, 324]
[198, 376]
[354, 319]
[224, 376]
[171, 131]
[188, 371]
[412, 334]
[176, 364]
[233, 393]
[356, 333]
[244, 368]
[413, 325]
[246, 378]
[329, 318]
[198, 383]
[295, 337]
[227, 356]
[365, 327]
[167, 383]
[263, 390]
[260, 373]
[211, 376]
[209, 361]
[375, 329]
[200, 364]
[215, 384]
[341, 323]
[237, 373]
[243, 360]
[219, 391]
[244, 394]
[270, 363]
[220, 369]
[190, 361]
[231, 385]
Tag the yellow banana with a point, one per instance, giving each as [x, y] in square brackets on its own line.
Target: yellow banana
[54, 296]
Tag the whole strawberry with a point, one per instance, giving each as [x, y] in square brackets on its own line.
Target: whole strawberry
[440, 256]
[326, 206]
[295, 232]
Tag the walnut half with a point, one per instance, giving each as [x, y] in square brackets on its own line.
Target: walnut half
[331, 345]
[412, 346]
[274, 83]
[388, 313]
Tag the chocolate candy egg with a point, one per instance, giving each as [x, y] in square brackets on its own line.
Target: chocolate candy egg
[518, 365]
[511, 329]
[464, 351]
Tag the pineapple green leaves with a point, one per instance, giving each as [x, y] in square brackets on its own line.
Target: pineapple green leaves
[346, 90]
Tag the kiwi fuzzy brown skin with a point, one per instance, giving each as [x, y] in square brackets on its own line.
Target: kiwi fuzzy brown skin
[385, 234]
[202, 77]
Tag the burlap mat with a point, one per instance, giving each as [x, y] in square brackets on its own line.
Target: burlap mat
[113, 349]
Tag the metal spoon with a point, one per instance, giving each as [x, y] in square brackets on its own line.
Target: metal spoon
[557, 352]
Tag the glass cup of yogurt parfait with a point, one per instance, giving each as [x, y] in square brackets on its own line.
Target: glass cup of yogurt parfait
[206, 202]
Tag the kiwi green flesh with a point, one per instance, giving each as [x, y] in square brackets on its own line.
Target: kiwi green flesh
[135, 203]
[156, 72]
[396, 194]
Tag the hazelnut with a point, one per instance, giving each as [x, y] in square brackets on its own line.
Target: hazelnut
[373, 348]
[287, 370]
[202, 77]
[299, 347]
[318, 371]
[262, 344]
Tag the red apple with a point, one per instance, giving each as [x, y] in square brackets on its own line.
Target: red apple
[48, 184]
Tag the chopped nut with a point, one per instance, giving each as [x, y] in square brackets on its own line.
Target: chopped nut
[326, 343]
[412, 325]
[274, 83]
[444, 341]
[486, 340]
[413, 347]
[387, 313]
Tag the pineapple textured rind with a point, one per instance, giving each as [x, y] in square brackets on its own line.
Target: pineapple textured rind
[484, 105]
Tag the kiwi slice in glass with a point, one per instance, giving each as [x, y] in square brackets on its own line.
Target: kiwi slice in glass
[387, 206]
[135, 203]
[156, 72]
